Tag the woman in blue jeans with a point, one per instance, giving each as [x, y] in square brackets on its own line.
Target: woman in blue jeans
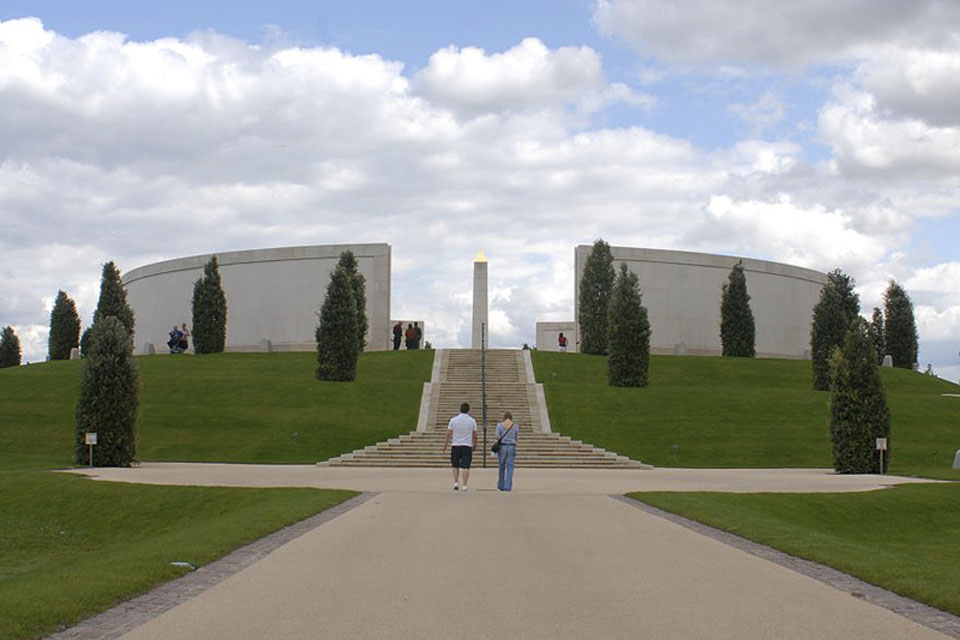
[507, 432]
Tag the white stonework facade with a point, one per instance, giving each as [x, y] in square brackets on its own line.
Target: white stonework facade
[548, 335]
[273, 295]
[681, 291]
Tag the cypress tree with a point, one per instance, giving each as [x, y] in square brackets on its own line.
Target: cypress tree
[209, 311]
[113, 299]
[832, 315]
[594, 299]
[337, 331]
[349, 263]
[85, 342]
[629, 328]
[9, 348]
[64, 328]
[737, 327]
[858, 404]
[900, 330]
[109, 396]
[877, 333]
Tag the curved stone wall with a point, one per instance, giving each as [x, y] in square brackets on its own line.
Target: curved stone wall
[272, 295]
[681, 291]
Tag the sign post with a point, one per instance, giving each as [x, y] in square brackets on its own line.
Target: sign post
[90, 439]
[881, 447]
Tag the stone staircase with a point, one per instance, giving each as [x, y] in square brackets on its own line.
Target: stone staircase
[457, 379]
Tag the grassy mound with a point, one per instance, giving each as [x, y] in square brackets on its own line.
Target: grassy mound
[265, 408]
[70, 547]
[903, 539]
[733, 412]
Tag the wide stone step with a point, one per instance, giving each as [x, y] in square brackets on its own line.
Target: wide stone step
[507, 389]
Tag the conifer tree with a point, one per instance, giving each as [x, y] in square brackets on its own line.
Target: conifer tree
[9, 348]
[594, 299]
[85, 342]
[109, 396]
[113, 299]
[629, 333]
[64, 328]
[737, 327]
[832, 315]
[858, 405]
[900, 329]
[209, 311]
[349, 263]
[337, 330]
[877, 333]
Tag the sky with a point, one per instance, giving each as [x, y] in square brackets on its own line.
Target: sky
[816, 133]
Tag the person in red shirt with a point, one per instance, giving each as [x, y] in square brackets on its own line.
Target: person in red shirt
[562, 342]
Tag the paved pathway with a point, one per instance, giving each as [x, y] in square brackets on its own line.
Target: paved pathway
[558, 558]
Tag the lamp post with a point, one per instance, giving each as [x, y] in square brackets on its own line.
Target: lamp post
[483, 387]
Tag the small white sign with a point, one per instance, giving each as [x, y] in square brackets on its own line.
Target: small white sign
[881, 444]
[91, 438]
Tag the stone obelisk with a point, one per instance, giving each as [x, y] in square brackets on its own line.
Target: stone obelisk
[480, 299]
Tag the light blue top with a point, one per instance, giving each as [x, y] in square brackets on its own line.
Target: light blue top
[511, 437]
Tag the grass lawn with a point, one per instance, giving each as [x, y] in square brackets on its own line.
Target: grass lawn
[906, 539]
[232, 407]
[732, 412]
[71, 547]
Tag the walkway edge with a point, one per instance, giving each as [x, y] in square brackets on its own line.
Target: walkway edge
[139, 610]
[946, 623]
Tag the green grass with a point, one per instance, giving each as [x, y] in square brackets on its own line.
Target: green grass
[223, 408]
[70, 547]
[904, 539]
[732, 412]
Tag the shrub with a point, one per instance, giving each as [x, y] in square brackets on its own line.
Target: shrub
[832, 315]
[113, 299]
[629, 327]
[349, 263]
[737, 327]
[64, 328]
[109, 396]
[877, 333]
[858, 404]
[900, 330]
[9, 348]
[337, 331]
[594, 299]
[209, 311]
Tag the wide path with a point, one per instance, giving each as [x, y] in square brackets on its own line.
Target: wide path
[555, 559]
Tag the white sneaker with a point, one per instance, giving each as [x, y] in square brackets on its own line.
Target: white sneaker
[456, 485]
[464, 488]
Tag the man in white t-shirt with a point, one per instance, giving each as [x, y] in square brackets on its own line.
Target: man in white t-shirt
[463, 432]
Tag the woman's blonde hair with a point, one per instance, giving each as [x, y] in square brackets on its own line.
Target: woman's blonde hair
[508, 416]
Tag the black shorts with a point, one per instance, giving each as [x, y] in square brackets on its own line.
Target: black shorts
[461, 456]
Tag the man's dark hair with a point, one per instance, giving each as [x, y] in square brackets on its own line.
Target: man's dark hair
[465, 407]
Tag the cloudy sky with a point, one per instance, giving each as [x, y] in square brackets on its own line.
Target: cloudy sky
[818, 133]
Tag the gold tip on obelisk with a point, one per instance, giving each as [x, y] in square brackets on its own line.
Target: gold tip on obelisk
[480, 257]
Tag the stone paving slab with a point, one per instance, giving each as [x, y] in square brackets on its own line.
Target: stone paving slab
[416, 565]
[125, 617]
[390, 569]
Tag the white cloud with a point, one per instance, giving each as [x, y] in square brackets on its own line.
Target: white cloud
[865, 139]
[767, 111]
[772, 32]
[137, 152]
[529, 76]
[914, 83]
